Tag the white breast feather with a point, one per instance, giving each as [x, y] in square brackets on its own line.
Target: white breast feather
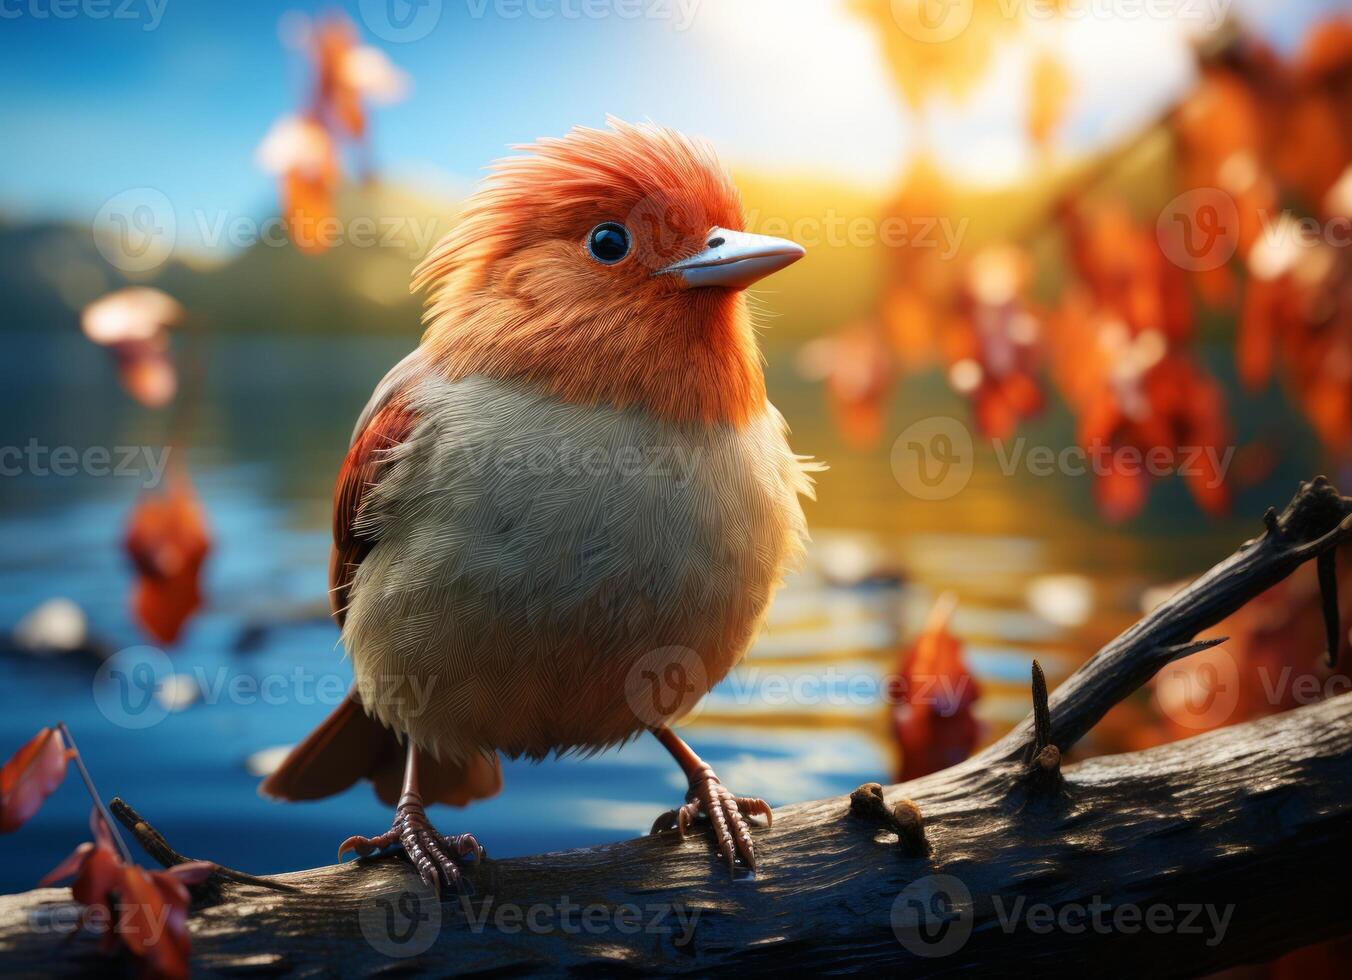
[529, 551]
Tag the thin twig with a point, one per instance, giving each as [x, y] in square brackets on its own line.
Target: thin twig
[147, 836]
[158, 848]
[1327, 566]
[1042, 716]
[93, 792]
[1316, 521]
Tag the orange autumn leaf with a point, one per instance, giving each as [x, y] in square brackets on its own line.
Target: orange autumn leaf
[938, 49]
[1326, 52]
[302, 150]
[1050, 85]
[299, 151]
[1314, 146]
[149, 376]
[308, 207]
[143, 912]
[153, 920]
[920, 283]
[333, 39]
[30, 776]
[1297, 317]
[994, 342]
[857, 369]
[168, 542]
[1121, 355]
[1314, 150]
[133, 325]
[347, 72]
[933, 694]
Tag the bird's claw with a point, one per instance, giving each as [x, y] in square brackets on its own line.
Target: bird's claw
[435, 856]
[726, 814]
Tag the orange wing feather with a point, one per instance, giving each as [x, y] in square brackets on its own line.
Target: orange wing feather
[366, 459]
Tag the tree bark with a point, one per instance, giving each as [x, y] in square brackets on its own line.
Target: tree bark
[1181, 860]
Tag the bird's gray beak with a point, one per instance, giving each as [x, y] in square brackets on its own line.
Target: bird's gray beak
[735, 260]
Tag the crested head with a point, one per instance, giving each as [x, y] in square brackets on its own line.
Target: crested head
[606, 266]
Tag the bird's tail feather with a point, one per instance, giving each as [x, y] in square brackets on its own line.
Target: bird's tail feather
[350, 745]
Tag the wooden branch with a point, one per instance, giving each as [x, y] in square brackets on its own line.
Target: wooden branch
[1317, 520]
[1184, 859]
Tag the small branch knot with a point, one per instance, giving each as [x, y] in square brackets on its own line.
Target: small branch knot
[910, 827]
[904, 818]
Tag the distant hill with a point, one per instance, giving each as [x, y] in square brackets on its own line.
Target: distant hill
[48, 271]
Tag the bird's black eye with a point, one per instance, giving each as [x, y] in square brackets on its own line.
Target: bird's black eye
[608, 243]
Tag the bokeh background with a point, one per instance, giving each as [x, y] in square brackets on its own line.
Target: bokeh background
[1034, 226]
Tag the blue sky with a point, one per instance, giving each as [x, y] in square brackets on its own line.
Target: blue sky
[99, 104]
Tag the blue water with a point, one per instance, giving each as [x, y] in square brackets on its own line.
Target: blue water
[273, 419]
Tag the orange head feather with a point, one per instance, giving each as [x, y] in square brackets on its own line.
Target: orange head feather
[517, 289]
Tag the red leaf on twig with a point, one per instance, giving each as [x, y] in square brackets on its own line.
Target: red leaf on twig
[168, 541]
[143, 912]
[32, 775]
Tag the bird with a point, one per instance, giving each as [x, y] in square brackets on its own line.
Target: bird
[562, 518]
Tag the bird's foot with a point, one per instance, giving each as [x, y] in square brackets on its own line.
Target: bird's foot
[727, 815]
[436, 857]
